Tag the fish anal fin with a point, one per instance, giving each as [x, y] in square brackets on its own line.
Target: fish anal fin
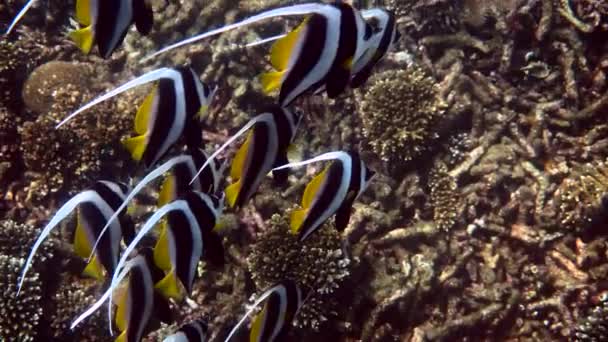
[343, 216]
[297, 218]
[256, 326]
[143, 16]
[271, 81]
[170, 287]
[122, 337]
[162, 257]
[238, 163]
[94, 269]
[83, 12]
[281, 50]
[136, 146]
[232, 193]
[144, 113]
[121, 309]
[82, 245]
[313, 188]
[167, 191]
[83, 38]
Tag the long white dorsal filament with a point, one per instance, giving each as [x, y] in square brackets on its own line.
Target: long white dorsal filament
[266, 40]
[150, 223]
[143, 79]
[244, 129]
[159, 171]
[63, 212]
[325, 156]
[300, 9]
[251, 309]
[19, 15]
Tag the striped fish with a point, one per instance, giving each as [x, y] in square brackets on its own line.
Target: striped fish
[195, 331]
[106, 22]
[95, 206]
[172, 110]
[269, 136]
[190, 222]
[282, 303]
[332, 191]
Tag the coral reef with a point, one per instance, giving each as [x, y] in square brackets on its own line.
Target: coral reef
[594, 326]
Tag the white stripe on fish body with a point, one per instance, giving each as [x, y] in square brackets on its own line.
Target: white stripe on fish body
[197, 246]
[148, 301]
[94, 13]
[373, 43]
[124, 18]
[177, 337]
[115, 229]
[216, 210]
[361, 27]
[280, 321]
[338, 199]
[204, 99]
[330, 49]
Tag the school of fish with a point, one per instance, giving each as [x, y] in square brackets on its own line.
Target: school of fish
[335, 46]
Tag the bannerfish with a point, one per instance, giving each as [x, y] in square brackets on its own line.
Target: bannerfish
[190, 223]
[172, 109]
[332, 191]
[106, 22]
[269, 137]
[320, 51]
[184, 180]
[383, 36]
[19, 15]
[95, 206]
[272, 323]
[195, 331]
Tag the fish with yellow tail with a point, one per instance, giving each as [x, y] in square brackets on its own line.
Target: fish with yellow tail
[330, 192]
[195, 331]
[172, 110]
[94, 207]
[319, 52]
[269, 136]
[282, 303]
[190, 222]
[180, 177]
[105, 23]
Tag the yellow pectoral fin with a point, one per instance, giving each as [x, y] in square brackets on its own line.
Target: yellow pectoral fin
[144, 113]
[83, 38]
[82, 246]
[94, 269]
[167, 191]
[170, 287]
[121, 309]
[202, 111]
[271, 81]
[219, 225]
[281, 50]
[256, 327]
[348, 63]
[294, 153]
[136, 146]
[297, 217]
[238, 163]
[313, 188]
[162, 258]
[83, 12]
[232, 192]
[122, 337]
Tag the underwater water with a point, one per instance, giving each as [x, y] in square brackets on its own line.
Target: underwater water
[446, 172]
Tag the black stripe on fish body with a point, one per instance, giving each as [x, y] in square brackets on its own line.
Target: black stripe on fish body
[184, 240]
[326, 195]
[254, 167]
[138, 290]
[182, 175]
[273, 312]
[143, 17]
[213, 248]
[192, 333]
[162, 309]
[363, 75]
[155, 273]
[163, 117]
[105, 26]
[94, 221]
[312, 48]
[193, 130]
[339, 74]
[294, 301]
[343, 213]
[355, 177]
[285, 133]
[107, 194]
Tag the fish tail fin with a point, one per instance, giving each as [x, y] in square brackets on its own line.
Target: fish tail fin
[271, 80]
[83, 38]
[297, 218]
[169, 287]
[136, 146]
[232, 193]
[94, 269]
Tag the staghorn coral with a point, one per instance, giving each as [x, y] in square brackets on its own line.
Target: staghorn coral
[594, 326]
[580, 199]
[400, 113]
[444, 197]
[318, 264]
[428, 16]
[9, 150]
[19, 315]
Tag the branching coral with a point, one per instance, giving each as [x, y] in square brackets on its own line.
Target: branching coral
[444, 197]
[594, 327]
[317, 264]
[400, 113]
